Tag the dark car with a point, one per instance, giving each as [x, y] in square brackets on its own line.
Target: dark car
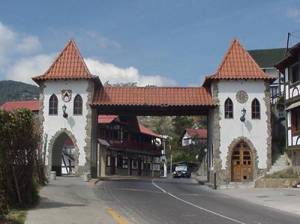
[181, 171]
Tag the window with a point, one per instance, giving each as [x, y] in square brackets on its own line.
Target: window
[228, 108]
[125, 163]
[294, 73]
[77, 105]
[295, 121]
[53, 104]
[255, 108]
[108, 161]
[134, 164]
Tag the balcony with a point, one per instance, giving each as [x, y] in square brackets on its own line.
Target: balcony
[136, 146]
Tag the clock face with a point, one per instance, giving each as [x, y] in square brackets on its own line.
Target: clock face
[242, 96]
[66, 95]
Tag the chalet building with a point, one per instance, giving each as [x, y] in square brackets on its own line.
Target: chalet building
[131, 148]
[192, 136]
[236, 95]
[289, 66]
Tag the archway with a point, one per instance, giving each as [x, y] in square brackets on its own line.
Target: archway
[63, 154]
[241, 163]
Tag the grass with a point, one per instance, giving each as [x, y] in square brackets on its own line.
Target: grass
[14, 217]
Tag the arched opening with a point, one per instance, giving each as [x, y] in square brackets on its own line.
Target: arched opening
[241, 163]
[63, 155]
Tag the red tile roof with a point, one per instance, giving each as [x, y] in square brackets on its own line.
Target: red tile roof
[68, 65]
[32, 105]
[106, 119]
[238, 64]
[153, 96]
[200, 133]
[68, 143]
[147, 131]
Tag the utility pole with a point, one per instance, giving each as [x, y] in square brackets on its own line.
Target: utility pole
[287, 42]
[171, 168]
[164, 158]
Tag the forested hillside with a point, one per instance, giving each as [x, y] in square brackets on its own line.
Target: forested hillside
[12, 90]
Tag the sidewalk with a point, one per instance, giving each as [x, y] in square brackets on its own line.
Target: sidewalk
[285, 199]
[69, 200]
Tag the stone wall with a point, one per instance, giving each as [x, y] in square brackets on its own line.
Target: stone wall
[267, 100]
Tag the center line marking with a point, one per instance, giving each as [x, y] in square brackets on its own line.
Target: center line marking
[196, 206]
[116, 216]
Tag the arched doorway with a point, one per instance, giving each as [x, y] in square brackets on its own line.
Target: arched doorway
[241, 163]
[64, 155]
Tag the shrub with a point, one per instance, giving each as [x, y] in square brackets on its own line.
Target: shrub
[19, 141]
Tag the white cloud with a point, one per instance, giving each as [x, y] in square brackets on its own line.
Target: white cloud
[294, 13]
[100, 40]
[7, 40]
[16, 61]
[25, 68]
[20, 60]
[114, 74]
[28, 44]
[12, 42]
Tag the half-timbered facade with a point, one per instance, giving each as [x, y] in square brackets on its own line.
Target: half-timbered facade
[290, 68]
[131, 148]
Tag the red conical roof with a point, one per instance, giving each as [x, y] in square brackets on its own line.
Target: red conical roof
[238, 64]
[68, 65]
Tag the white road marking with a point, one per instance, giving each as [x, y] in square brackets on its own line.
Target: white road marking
[196, 206]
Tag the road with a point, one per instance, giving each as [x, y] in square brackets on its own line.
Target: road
[182, 201]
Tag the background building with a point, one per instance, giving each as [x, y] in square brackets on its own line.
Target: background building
[290, 68]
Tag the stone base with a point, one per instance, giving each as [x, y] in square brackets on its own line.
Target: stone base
[276, 182]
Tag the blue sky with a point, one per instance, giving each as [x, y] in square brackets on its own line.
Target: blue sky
[157, 42]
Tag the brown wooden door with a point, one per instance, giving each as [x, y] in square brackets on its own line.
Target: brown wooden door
[241, 163]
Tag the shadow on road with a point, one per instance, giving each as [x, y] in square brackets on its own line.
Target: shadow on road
[46, 203]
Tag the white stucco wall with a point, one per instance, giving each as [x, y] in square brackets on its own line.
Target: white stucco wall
[76, 124]
[254, 130]
[186, 140]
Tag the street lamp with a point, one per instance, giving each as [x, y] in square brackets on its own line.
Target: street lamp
[243, 115]
[64, 108]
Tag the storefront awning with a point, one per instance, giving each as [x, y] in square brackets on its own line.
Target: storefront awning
[103, 142]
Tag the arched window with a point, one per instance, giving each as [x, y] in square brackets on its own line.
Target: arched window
[228, 108]
[255, 109]
[53, 104]
[77, 109]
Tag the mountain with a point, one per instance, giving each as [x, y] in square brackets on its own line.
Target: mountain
[12, 90]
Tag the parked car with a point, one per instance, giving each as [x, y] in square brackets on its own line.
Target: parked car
[181, 171]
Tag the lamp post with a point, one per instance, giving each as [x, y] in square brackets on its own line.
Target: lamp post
[64, 108]
[242, 118]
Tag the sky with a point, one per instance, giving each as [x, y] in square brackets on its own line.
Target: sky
[153, 42]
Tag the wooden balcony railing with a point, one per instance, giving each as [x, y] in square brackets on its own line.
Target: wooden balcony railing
[135, 145]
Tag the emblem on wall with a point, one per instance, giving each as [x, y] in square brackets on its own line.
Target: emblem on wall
[241, 96]
[66, 95]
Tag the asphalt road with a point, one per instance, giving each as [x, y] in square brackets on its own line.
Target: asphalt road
[182, 201]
